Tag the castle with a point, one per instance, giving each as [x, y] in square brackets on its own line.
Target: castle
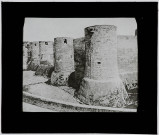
[88, 61]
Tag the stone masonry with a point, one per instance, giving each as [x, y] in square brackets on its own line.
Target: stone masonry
[101, 84]
[33, 56]
[46, 52]
[64, 60]
[25, 56]
[35, 52]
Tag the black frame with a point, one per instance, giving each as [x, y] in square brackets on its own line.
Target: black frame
[16, 121]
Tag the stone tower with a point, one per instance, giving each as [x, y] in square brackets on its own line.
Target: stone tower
[25, 56]
[101, 84]
[34, 51]
[63, 60]
[46, 52]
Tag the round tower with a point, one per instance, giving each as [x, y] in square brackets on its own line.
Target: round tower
[63, 60]
[101, 84]
[34, 50]
[25, 56]
[46, 52]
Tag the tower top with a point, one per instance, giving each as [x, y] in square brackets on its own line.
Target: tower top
[102, 26]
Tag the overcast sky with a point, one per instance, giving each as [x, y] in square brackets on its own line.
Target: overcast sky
[46, 29]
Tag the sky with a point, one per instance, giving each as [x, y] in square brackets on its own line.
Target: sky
[46, 29]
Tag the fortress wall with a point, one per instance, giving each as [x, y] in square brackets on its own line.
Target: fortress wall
[79, 57]
[127, 57]
[127, 54]
[128, 61]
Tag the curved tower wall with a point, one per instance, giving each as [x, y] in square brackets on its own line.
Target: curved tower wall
[46, 51]
[101, 52]
[64, 60]
[101, 80]
[25, 56]
[34, 50]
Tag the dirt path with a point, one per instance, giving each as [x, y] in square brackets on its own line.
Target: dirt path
[32, 108]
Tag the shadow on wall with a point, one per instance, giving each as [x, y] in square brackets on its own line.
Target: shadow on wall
[76, 77]
[74, 80]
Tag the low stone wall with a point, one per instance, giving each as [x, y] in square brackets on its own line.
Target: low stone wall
[68, 107]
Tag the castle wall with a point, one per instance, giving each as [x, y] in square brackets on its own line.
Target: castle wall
[127, 54]
[79, 58]
[79, 53]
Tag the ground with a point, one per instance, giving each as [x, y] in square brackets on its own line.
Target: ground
[37, 85]
[32, 108]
